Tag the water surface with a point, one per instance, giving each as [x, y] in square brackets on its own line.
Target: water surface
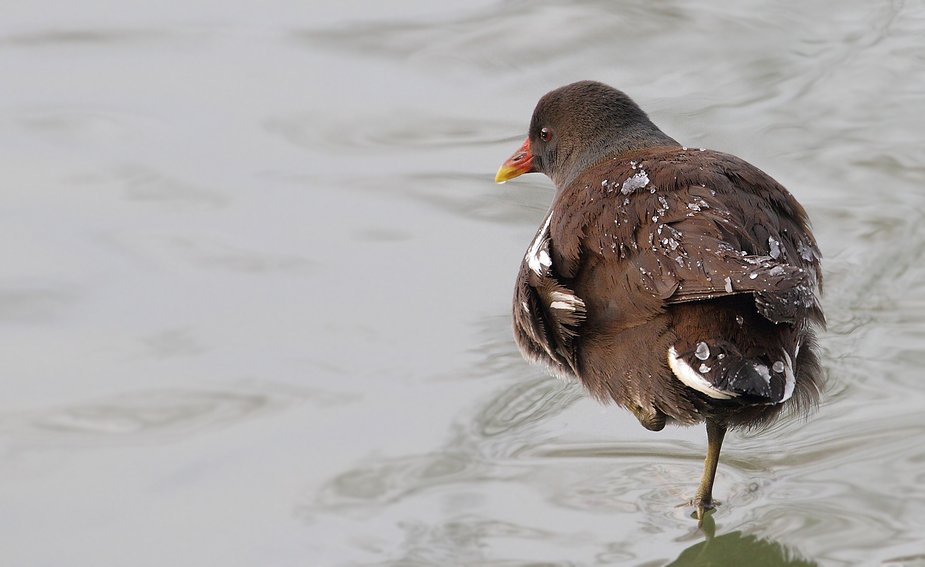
[256, 281]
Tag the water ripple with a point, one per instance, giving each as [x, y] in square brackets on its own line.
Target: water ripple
[512, 34]
[82, 37]
[525, 403]
[154, 415]
[471, 196]
[397, 130]
[34, 304]
[75, 124]
[206, 252]
[145, 185]
[377, 484]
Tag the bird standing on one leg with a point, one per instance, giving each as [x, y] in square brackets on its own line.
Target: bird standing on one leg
[679, 283]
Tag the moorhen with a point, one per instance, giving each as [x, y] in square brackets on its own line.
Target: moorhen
[678, 282]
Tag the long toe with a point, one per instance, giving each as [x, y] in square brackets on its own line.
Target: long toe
[702, 506]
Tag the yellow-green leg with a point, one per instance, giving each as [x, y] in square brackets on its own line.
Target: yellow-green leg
[704, 499]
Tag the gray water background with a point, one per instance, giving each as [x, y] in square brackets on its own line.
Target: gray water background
[255, 280]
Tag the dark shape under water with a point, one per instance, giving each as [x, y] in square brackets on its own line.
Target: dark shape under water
[737, 548]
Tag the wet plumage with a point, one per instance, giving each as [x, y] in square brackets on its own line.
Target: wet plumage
[679, 283]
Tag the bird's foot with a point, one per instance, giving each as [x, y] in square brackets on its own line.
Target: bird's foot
[702, 508]
[702, 505]
[703, 513]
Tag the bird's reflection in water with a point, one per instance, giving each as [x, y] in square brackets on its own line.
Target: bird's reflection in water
[737, 548]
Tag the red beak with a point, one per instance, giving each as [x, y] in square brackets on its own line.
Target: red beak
[518, 164]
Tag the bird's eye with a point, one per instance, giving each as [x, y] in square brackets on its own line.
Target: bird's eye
[545, 134]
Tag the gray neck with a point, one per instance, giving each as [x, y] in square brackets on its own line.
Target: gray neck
[635, 137]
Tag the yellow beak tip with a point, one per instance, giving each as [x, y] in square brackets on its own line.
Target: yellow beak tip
[506, 173]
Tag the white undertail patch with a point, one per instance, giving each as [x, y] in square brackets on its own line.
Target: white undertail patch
[694, 379]
[791, 381]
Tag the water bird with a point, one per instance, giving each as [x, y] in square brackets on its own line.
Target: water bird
[681, 283]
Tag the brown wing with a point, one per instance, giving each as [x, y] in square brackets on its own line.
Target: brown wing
[684, 226]
[631, 238]
[546, 313]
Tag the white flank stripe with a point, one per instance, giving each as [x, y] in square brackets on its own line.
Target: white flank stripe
[538, 259]
[791, 382]
[566, 301]
[692, 378]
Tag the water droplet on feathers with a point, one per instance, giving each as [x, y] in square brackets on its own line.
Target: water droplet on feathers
[774, 245]
[703, 351]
